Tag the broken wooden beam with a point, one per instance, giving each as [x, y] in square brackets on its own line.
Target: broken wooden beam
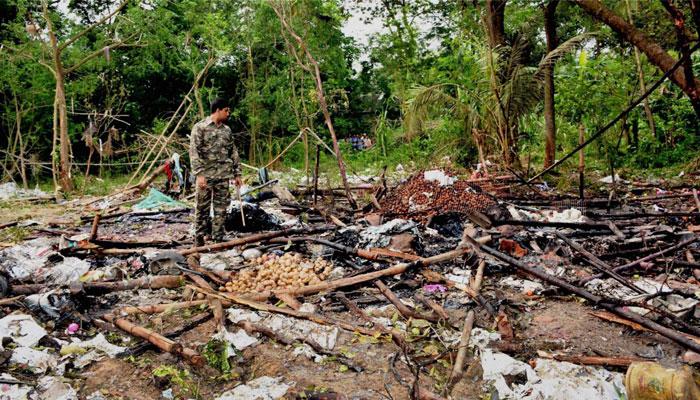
[252, 239]
[96, 288]
[156, 339]
[403, 309]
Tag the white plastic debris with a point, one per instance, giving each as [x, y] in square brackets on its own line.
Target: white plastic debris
[91, 350]
[306, 351]
[34, 360]
[380, 236]
[67, 271]
[21, 261]
[552, 380]
[563, 380]
[250, 254]
[22, 329]
[522, 285]
[239, 339]
[609, 179]
[498, 366]
[221, 261]
[481, 338]
[440, 177]
[13, 391]
[10, 190]
[568, 215]
[52, 388]
[263, 388]
[290, 328]
[459, 275]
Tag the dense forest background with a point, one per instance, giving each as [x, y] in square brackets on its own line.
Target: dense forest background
[514, 82]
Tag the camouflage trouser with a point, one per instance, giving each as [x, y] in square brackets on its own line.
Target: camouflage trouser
[216, 194]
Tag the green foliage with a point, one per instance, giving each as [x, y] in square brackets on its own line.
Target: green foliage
[216, 355]
[425, 86]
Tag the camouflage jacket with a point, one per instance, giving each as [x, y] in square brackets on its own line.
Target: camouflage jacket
[212, 151]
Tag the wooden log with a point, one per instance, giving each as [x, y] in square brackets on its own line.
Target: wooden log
[194, 264]
[403, 309]
[170, 334]
[545, 224]
[250, 239]
[289, 300]
[156, 339]
[159, 308]
[592, 360]
[8, 225]
[458, 368]
[437, 308]
[96, 288]
[95, 225]
[621, 311]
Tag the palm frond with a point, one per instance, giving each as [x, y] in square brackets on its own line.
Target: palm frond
[423, 100]
[557, 54]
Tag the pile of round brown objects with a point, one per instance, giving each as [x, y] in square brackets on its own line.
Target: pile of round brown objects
[418, 199]
[288, 271]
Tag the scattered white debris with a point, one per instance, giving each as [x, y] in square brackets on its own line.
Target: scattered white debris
[91, 350]
[263, 388]
[459, 275]
[522, 285]
[514, 379]
[568, 215]
[10, 190]
[52, 388]
[250, 254]
[221, 261]
[36, 361]
[609, 179]
[440, 177]
[22, 329]
[239, 339]
[67, 271]
[13, 391]
[290, 328]
[21, 261]
[380, 236]
[481, 338]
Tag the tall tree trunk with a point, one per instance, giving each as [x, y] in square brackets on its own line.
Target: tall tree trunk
[550, 30]
[495, 16]
[682, 77]
[642, 83]
[64, 140]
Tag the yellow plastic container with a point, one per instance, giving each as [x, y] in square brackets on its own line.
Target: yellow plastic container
[652, 381]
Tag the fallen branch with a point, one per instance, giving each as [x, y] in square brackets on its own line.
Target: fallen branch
[251, 239]
[97, 288]
[188, 326]
[458, 368]
[400, 306]
[156, 339]
[592, 360]
[159, 308]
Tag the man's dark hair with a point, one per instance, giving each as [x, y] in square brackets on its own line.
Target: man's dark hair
[218, 104]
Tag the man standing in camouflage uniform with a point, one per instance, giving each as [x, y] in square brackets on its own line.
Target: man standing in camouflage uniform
[215, 161]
